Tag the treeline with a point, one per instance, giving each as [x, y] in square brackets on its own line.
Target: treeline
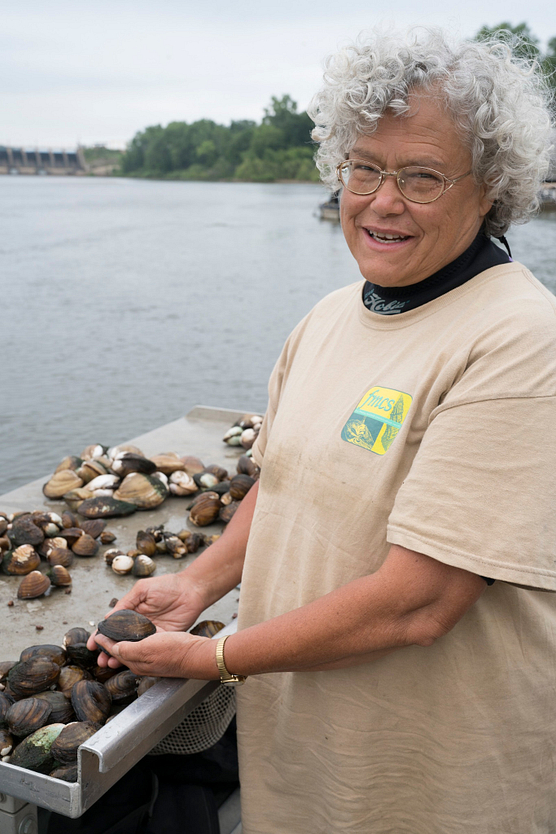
[280, 148]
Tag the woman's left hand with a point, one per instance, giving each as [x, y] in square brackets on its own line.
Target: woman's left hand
[167, 654]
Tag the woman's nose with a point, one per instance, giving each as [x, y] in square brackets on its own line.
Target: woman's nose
[388, 199]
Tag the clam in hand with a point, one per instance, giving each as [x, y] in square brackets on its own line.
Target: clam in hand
[126, 624]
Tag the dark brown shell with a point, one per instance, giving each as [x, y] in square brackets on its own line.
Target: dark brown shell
[240, 486]
[5, 703]
[146, 683]
[107, 537]
[126, 624]
[69, 519]
[122, 687]
[146, 543]
[91, 701]
[5, 666]
[64, 749]
[205, 510]
[28, 677]
[62, 710]
[75, 636]
[105, 507]
[71, 535]
[21, 561]
[194, 542]
[129, 462]
[6, 742]
[25, 531]
[85, 546]
[35, 584]
[93, 527]
[227, 512]
[48, 651]
[247, 466]
[219, 471]
[207, 628]
[60, 556]
[69, 676]
[59, 576]
[68, 773]
[28, 715]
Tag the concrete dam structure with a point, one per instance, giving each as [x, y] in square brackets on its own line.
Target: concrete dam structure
[24, 161]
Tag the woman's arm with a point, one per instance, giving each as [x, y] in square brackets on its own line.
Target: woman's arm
[411, 600]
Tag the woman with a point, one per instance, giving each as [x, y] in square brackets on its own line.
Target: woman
[407, 462]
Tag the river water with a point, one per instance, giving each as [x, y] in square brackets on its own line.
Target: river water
[127, 302]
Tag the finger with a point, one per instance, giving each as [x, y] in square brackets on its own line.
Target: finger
[111, 658]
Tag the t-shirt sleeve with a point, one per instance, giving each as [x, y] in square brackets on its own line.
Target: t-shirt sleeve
[480, 494]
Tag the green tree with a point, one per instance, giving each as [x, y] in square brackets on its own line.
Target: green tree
[526, 45]
[296, 127]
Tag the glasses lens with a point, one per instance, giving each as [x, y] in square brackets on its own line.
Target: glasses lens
[420, 184]
[360, 177]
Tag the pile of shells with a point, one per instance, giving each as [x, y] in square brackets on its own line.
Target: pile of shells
[153, 542]
[105, 482]
[244, 432]
[56, 697]
[30, 540]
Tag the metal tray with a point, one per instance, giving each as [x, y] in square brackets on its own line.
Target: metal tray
[116, 747]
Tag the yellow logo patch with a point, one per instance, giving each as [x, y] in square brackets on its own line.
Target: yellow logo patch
[377, 419]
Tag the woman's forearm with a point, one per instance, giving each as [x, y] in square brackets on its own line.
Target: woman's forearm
[218, 570]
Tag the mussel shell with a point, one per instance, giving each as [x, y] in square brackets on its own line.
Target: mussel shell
[205, 510]
[75, 497]
[122, 687]
[227, 512]
[21, 561]
[145, 684]
[25, 531]
[33, 752]
[247, 466]
[91, 701]
[146, 543]
[145, 491]
[128, 462]
[5, 666]
[69, 462]
[80, 655]
[126, 624]
[28, 715]
[62, 710]
[64, 749]
[60, 556]
[71, 535]
[6, 742]
[194, 542]
[5, 703]
[31, 676]
[106, 506]
[35, 584]
[167, 462]
[240, 486]
[85, 546]
[59, 576]
[61, 483]
[69, 676]
[207, 628]
[75, 636]
[143, 566]
[107, 537]
[68, 773]
[122, 564]
[93, 527]
[69, 519]
[48, 651]
[219, 471]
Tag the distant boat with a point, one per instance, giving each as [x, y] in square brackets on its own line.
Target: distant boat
[330, 210]
[547, 196]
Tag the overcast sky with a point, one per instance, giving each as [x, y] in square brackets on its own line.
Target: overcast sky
[99, 72]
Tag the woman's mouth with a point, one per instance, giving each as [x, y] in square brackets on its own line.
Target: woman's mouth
[382, 237]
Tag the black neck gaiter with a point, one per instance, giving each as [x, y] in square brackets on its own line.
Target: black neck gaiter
[389, 301]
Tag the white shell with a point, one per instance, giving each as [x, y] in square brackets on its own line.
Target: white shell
[182, 484]
[235, 430]
[104, 482]
[122, 564]
[161, 477]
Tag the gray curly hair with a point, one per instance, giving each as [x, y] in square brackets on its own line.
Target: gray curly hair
[499, 104]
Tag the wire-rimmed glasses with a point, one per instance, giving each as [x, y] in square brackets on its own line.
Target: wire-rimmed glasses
[416, 183]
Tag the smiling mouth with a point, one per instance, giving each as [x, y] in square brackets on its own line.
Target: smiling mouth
[384, 238]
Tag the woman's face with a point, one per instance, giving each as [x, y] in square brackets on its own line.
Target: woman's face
[428, 236]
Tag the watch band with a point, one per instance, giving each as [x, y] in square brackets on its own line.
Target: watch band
[225, 676]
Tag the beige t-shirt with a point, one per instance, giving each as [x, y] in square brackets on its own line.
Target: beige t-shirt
[434, 429]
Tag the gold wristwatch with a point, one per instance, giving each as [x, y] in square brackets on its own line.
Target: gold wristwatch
[225, 676]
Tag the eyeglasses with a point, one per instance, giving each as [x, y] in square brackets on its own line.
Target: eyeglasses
[419, 185]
